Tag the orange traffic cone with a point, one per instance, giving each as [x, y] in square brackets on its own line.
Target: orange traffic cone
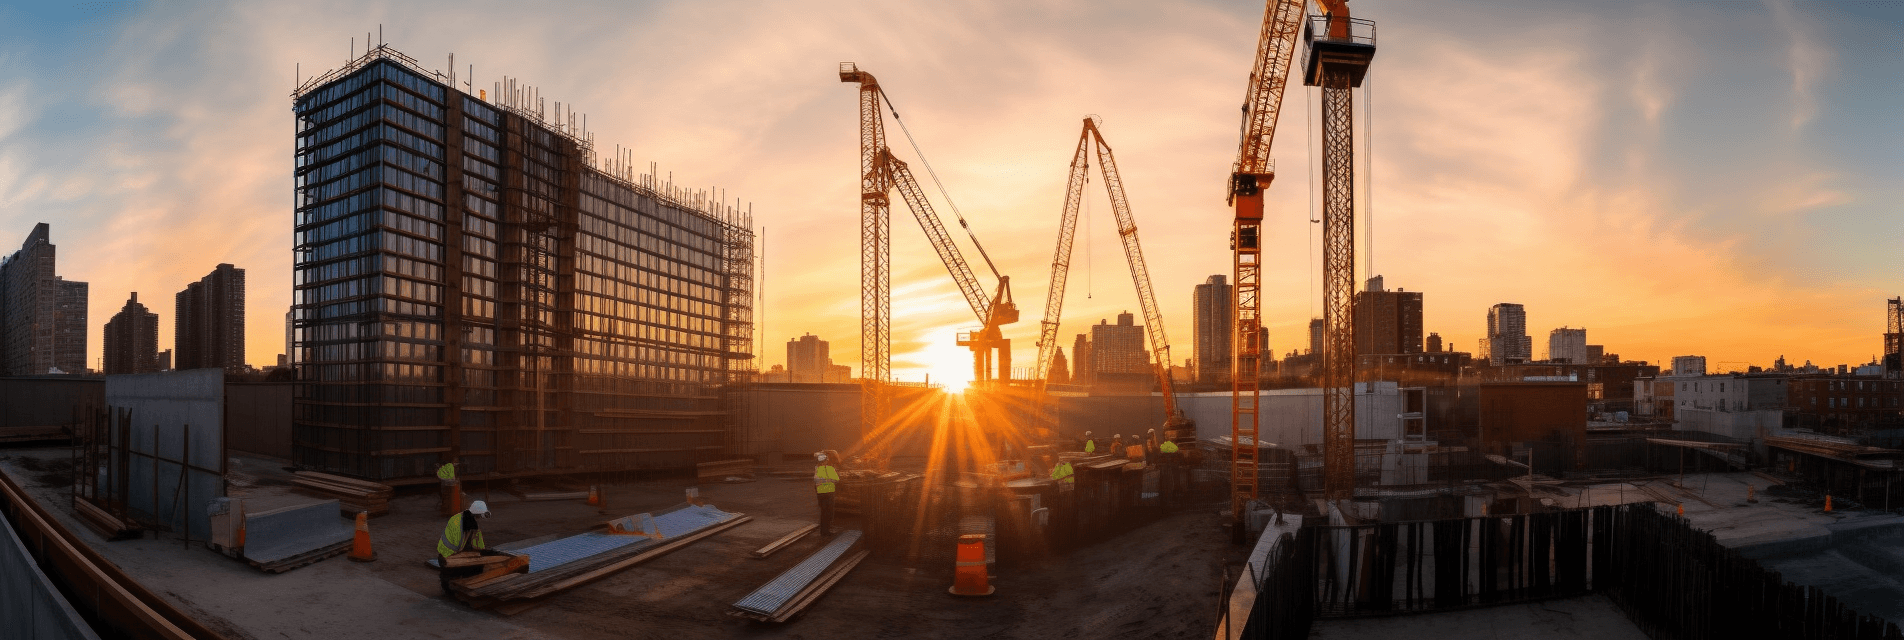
[1827, 503]
[451, 493]
[360, 544]
[1682, 510]
[594, 496]
[968, 576]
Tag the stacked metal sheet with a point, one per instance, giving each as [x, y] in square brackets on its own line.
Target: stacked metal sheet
[791, 591]
[555, 553]
[564, 563]
[283, 539]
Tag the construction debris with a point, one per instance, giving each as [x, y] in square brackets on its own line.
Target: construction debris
[105, 524]
[789, 593]
[785, 541]
[353, 495]
[565, 563]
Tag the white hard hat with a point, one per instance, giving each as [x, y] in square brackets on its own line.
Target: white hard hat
[479, 508]
[821, 456]
[1087, 433]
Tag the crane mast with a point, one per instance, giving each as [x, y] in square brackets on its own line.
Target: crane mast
[1249, 177]
[1088, 140]
[1340, 49]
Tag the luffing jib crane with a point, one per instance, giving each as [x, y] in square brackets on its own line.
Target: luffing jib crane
[880, 174]
[1088, 140]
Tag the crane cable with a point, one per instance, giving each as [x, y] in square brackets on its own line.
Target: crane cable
[940, 185]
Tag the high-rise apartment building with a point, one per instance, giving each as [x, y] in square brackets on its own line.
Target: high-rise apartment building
[1060, 372]
[1316, 331]
[208, 326]
[1081, 371]
[1215, 329]
[808, 358]
[475, 283]
[1894, 336]
[1119, 348]
[1684, 366]
[42, 316]
[1387, 322]
[132, 339]
[1433, 343]
[1569, 345]
[1507, 341]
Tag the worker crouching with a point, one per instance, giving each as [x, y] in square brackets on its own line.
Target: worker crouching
[462, 533]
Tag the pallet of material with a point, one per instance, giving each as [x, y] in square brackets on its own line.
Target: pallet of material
[792, 591]
[721, 469]
[108, 526]
[353, 495]
[554, 566]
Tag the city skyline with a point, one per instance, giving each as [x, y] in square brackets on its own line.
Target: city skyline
[1647, 202]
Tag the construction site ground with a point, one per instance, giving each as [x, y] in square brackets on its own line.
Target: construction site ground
[1157, 580]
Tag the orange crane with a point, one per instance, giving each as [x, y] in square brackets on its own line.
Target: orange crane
[880, 174]
[1249, 177]
[1340, 49]
[1090, 138]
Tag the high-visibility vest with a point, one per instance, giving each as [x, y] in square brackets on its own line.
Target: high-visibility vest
[823, 478]
[452, 540]
[1167, 447]
[1090, 446]
[446, 472]
[1062, 473]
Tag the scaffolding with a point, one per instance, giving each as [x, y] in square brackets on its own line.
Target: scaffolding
[590, 318]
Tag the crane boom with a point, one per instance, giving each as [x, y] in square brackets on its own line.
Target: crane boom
[1091, 139]
[1264, 97]
[900, 177]
[1061, 259]
[1140, 274]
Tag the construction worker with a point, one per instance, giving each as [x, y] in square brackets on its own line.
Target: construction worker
[461, 533]
[449, 492]
[1150, 442]
[447, 472]
[824, 479]
[1064, 476]
[1117, 444]
[1090, 444]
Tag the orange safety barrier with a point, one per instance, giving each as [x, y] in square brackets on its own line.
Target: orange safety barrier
[360, 543]
[968, 576]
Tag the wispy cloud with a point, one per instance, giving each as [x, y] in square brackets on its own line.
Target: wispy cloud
[1538, 155]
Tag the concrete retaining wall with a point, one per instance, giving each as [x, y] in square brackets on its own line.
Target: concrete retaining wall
[177, 435]
[30, 606]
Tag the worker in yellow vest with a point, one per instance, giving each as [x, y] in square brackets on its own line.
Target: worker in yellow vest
[824, 479]
[1090, 444]
[461, 533]
[447, 472]
[1065, 477]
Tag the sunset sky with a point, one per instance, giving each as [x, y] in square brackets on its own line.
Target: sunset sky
[1719, 178]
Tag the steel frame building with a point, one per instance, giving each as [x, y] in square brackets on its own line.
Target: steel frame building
[474, 284]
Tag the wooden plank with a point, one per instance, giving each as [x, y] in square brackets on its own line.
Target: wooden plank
[460, 560]
[785, 541]
[517, 564]
[656, 552]
[561, 495]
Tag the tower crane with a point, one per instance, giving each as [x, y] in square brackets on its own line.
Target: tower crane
[1249, 177]
[1340, 49]
[1088, 140]
[880, 174]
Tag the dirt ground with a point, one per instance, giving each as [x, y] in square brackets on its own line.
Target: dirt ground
[1157, 580]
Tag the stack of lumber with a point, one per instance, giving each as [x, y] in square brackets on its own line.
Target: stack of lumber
[107, 525]
[554, 567]
[352, 495]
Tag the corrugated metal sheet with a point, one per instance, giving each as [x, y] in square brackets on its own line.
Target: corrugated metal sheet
[771, 596]
[681, 522]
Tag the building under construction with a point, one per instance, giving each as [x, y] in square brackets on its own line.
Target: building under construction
[475, 284]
